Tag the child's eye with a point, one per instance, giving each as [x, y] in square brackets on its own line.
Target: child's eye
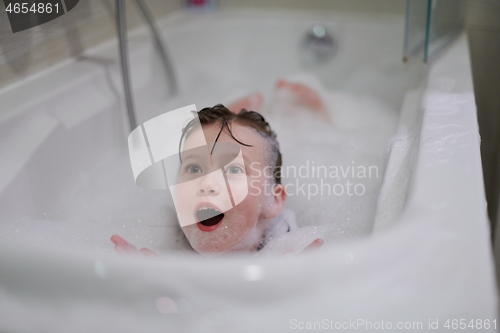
[193, 168]
[234, 169]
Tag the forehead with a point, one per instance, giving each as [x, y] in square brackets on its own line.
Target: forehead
[245, 134]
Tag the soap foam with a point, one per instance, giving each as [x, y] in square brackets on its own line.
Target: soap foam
[104, 199]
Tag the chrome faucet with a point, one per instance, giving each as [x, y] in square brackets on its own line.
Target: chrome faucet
[318, 45]
[122, 38]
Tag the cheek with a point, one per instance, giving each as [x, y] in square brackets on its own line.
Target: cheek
[239, 186]
[183, 193]
[246, 215]
[184, 203]
[258, 185]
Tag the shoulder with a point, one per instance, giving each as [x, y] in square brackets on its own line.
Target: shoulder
[292, 240]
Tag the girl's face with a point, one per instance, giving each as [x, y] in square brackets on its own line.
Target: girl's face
[221, 196]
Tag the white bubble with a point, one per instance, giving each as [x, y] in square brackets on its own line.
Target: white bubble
[100, 269]
[214, 318]
[253, 272]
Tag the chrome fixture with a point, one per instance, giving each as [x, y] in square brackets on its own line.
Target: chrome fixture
[160, 45]
[318, 45]
[122, 39]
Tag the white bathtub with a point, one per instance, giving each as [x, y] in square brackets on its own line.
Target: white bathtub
[63, 135]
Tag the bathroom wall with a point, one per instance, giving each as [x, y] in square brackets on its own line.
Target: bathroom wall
[383, 6]
[92, 21]
[88, 24]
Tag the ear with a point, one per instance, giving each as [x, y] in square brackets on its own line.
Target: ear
[278, 202]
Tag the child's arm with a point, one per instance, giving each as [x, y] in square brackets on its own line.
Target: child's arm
[304, 96]
[316, 244]
[122, 246]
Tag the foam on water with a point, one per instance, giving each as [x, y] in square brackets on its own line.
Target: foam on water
[104, 200]
[354, 140]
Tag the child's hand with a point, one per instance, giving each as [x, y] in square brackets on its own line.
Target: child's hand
[122, 246]
[316, 244]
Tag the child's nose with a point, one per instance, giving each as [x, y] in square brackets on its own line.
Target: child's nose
[209, 184]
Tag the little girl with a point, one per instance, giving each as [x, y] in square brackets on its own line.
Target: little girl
[213, 215]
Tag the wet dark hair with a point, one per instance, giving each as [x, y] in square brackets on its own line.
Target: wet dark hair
[219, 114]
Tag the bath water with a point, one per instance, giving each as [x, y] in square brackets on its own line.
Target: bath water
[104, 199]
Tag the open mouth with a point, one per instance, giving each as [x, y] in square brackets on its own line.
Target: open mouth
[209, 216]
